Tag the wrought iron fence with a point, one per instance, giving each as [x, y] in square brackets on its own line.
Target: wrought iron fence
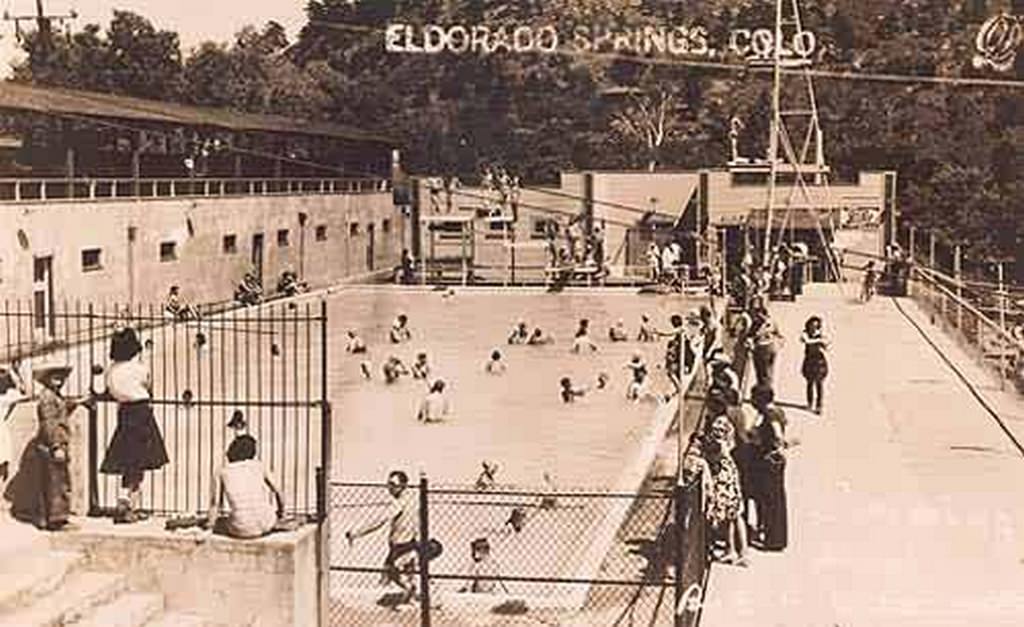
[267, 364]
[519, 554]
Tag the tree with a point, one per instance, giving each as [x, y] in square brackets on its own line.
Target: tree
[131, 57]
[255, 74]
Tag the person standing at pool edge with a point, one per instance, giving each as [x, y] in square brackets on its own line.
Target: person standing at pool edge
[52, 504]
[815, 365]
[402, 518]
[137, 445]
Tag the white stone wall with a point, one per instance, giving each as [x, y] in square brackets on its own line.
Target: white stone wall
[205, 272]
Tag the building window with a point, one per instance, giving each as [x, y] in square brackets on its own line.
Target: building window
[282, 237]
[385, 226]
[543, 227]
[230, 244]
[91, 260]
[168, 251]
[353, 229]
[321, 233]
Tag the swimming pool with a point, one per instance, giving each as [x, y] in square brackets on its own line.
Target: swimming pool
[516, 419]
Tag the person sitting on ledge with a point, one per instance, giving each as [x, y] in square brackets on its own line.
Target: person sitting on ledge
[256, 505]
[250, 291]
[177, 308]
[290, 285]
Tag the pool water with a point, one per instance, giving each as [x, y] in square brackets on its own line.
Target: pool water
[517, 419]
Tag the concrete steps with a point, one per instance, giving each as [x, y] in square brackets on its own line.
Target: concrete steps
[127, 610]
[76, 597]
[33, 575]
[177, 619]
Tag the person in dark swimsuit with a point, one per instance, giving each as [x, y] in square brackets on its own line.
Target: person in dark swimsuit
[815, 365]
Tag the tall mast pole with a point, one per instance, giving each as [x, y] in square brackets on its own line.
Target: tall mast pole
[773, 139]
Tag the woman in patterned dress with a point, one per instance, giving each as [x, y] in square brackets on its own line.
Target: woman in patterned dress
[725, 499]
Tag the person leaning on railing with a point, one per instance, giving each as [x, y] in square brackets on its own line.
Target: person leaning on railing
[137, 445]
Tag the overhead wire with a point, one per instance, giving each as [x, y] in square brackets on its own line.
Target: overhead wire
[840, 75]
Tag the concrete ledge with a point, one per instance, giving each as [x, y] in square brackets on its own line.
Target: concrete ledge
[270, 581]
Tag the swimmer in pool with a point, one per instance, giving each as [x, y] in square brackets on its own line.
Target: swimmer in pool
[569, 393]
[520, 334]
[355, 345]
[393, 369]
[420, 368]
[539, 338]
[582, 339]
[495, 365]
[617, 332]
[647, 331]
[400, 329]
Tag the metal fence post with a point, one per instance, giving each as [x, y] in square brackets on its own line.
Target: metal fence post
[679, 503]
[423, 555]
[958, 273]
[324, 475]
[92, 483]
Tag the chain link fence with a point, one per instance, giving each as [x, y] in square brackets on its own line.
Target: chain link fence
[501, 556]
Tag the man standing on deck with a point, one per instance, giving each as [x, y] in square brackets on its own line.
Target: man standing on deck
[402, 518]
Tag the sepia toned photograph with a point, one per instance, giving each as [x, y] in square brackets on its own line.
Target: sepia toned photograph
[456, 313]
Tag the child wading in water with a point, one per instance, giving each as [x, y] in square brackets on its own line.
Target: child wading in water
[393, 368]
[420, 368]
[435, 406]
[582, 338]
[569, 393]
[520, 334]
[495, 365]
[639, 385]
[400, 330]
[647, 331]
[617, 332]
[483, 569]
[538, 338]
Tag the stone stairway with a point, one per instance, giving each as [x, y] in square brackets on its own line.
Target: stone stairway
[45, 587]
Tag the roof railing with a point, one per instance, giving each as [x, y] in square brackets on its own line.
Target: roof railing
[20, 190]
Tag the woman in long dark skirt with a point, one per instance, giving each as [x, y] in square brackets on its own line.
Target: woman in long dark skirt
[815, 365]
[137, 445]
[770, 471]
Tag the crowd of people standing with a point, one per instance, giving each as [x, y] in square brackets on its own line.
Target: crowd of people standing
[739, 453]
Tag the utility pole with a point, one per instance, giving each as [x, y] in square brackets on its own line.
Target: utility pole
[44, 23]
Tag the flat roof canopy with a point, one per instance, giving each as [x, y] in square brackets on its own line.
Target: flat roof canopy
[59, 101]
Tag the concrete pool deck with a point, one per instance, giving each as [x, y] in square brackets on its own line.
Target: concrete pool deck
[904, 499]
